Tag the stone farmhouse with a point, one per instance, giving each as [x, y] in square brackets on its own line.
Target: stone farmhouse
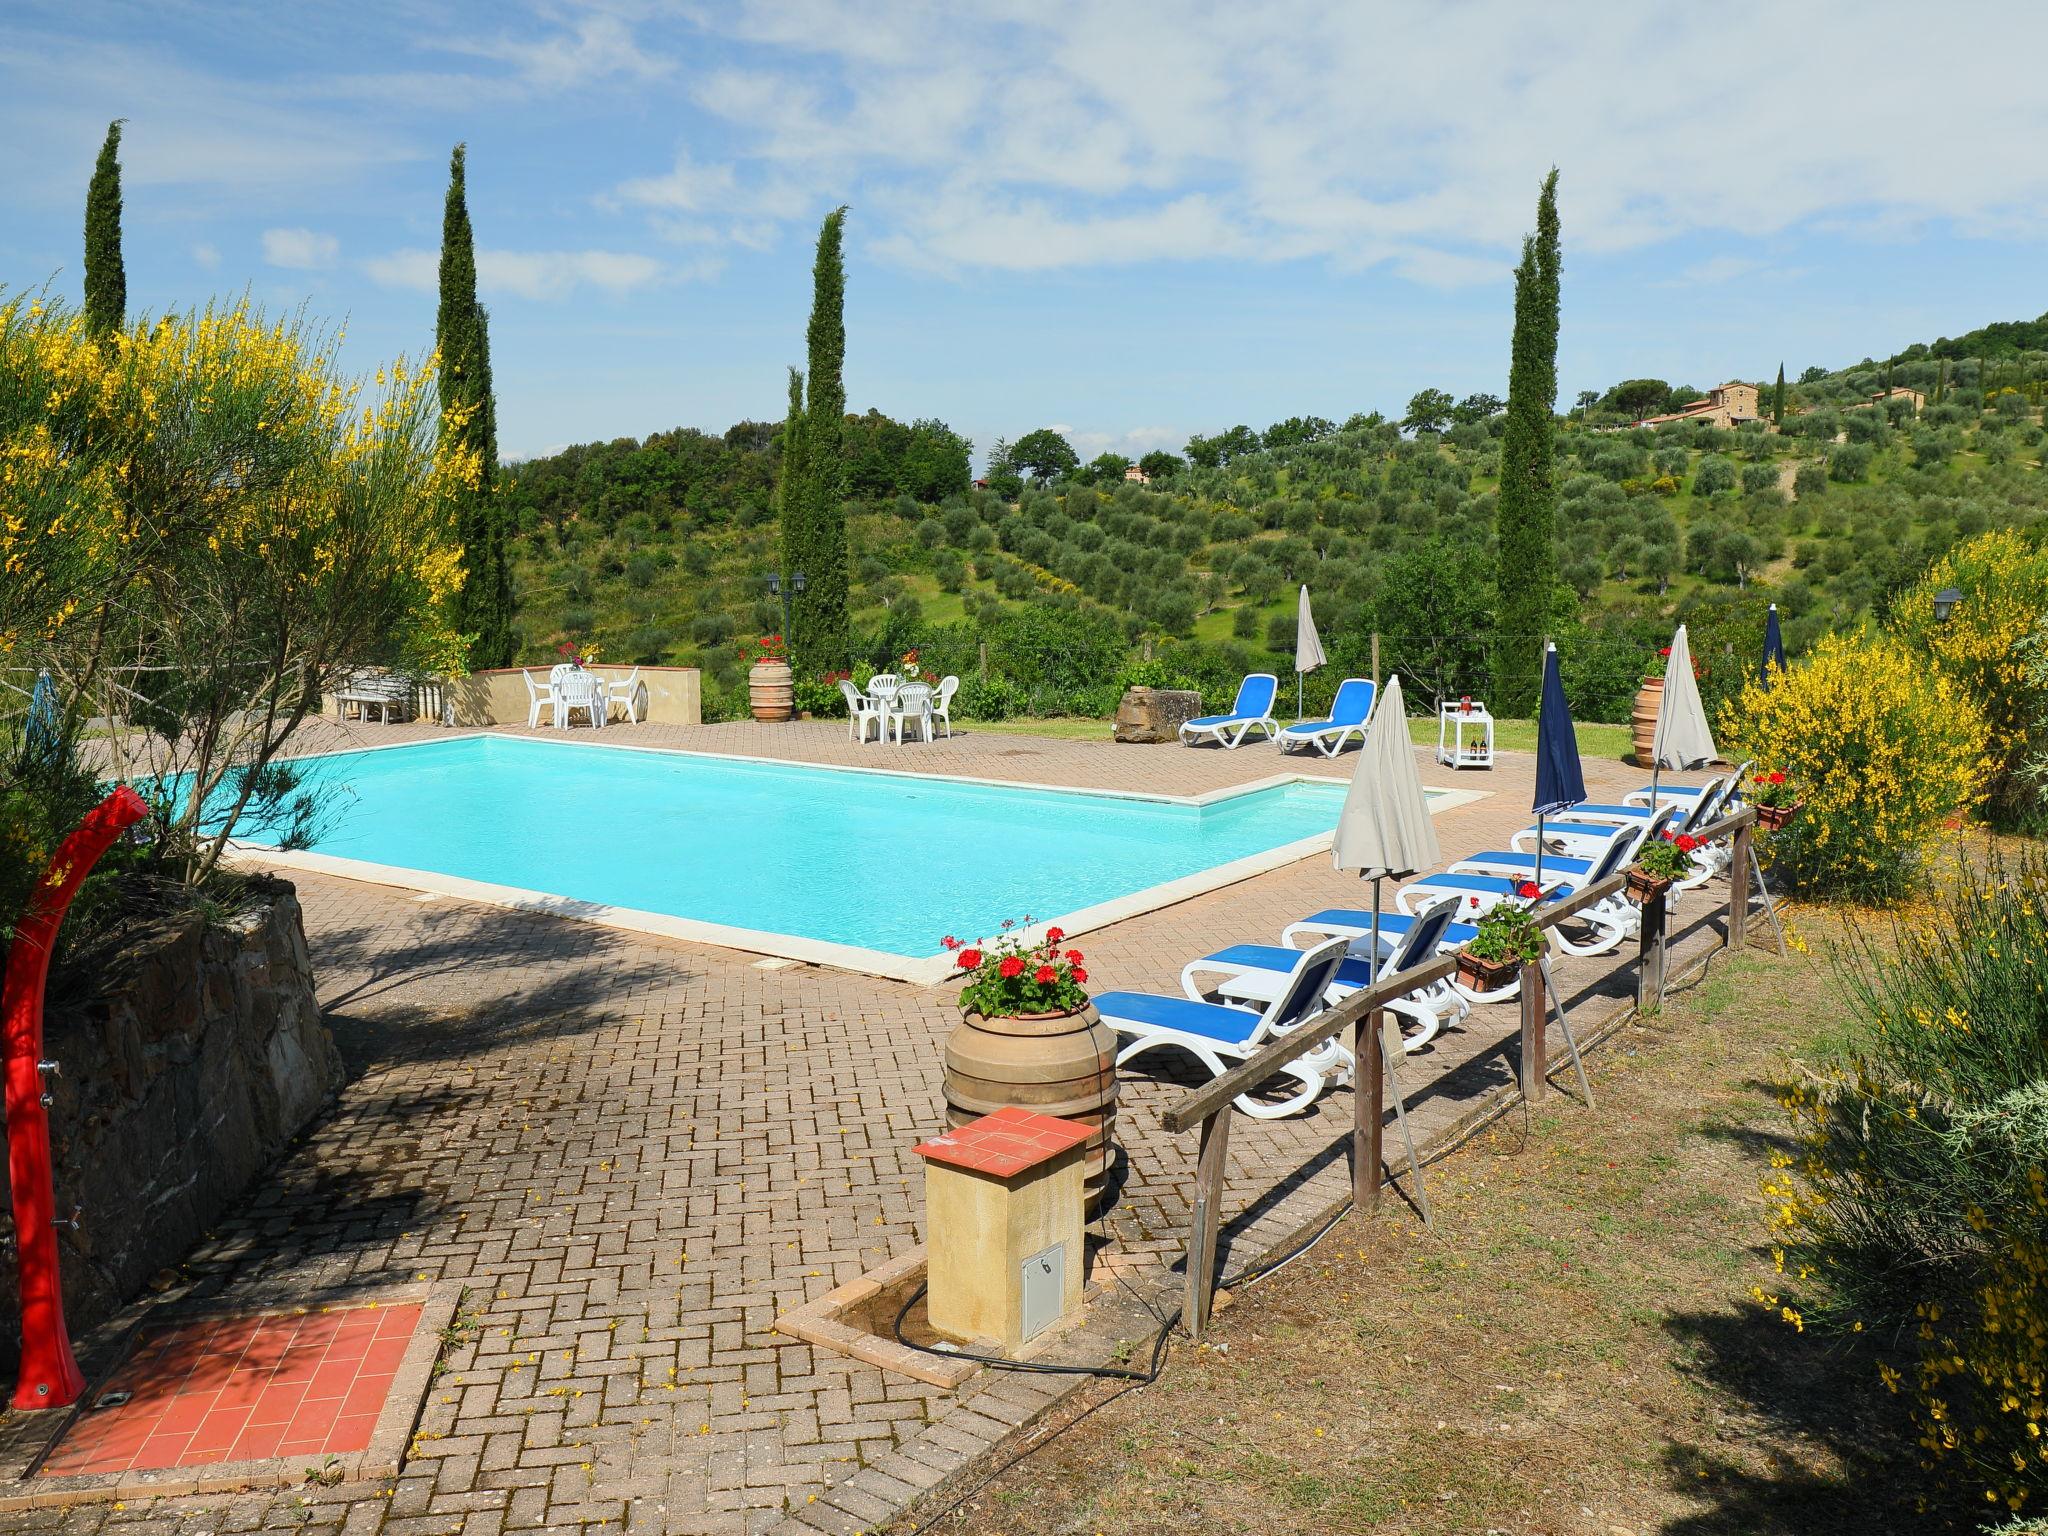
[1730, 405]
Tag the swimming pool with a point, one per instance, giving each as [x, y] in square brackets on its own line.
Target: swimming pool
[750, 851]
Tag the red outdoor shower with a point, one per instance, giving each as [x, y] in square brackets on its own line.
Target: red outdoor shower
[49, 1377]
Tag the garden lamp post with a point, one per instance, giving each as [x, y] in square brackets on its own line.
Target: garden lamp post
[777, 587]
[1945, 603]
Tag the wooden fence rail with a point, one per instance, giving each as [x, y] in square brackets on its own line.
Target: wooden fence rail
[1362, 1015]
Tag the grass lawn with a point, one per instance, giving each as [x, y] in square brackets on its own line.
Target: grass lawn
[1608, 741]
[1572, 1350]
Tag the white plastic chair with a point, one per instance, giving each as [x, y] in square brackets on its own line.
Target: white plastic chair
[581, 690]
[942, 701]
[628, 693]
[912, 701]
[538, 698]
[860, 713]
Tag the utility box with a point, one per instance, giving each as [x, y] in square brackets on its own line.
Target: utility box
[1003, 1235]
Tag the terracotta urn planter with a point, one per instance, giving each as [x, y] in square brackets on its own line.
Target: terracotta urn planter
[1059, 1064]
[1649, 700]
[770, 694]
[1775, 817]
[1642, 885]
[1477, 975]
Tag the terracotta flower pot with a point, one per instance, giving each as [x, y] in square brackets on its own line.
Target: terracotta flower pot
[1649, 701]
[1642, 885]
[1775, 817]
[1477, 975]
[1060, 1064]
[771, 694]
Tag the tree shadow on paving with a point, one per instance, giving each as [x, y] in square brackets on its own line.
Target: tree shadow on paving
[455, 982]
[1805, 1393]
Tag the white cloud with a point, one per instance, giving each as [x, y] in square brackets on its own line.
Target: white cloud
[594, 48]
[299, 250]
[529, 274]
[207, 255]
[1063, 134]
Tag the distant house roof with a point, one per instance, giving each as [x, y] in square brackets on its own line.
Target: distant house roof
[1133, 473]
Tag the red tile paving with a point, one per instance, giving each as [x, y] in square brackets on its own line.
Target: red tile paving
[1005, 1143]
[244, 1389]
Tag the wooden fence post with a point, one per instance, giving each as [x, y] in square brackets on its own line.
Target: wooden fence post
[984, 661]
[1203, 1228]
[1369, 1107]
[1375, 663]
[1535, 1024]
[1650, 956]
[1738, 891]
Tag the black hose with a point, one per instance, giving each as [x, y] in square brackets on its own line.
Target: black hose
[1043, 1368]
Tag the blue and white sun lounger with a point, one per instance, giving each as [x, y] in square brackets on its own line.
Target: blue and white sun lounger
[1256, 972]
[1612, 920]
[1220, 1035]
[1584, 829]
[1252, 711]
[1685, 794]
[1349, 712]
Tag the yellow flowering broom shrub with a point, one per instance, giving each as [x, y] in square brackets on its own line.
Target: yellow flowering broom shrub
[2003, 579]
[1912, 1212]
[203, 522]
[1882, 749]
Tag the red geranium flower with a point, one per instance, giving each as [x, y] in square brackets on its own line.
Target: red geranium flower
[1054, 935]
[969, 959]
[950, 942]
[1777, 778]
[1073, 957]
[1012, 965]
[1686, 842]
[1045, 975]
[1528, 890]
[1079, 974]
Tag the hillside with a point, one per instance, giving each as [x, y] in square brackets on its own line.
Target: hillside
[659, 550]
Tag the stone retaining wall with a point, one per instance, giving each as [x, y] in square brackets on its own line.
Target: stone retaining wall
[179, 1085]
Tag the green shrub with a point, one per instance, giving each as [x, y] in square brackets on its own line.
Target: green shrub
[1913, 1211]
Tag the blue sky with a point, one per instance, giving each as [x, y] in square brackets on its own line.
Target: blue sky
[1130, 221]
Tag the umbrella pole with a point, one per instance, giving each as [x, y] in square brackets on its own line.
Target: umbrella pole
[1298, 715]
[1539, 855]
[1374, 968]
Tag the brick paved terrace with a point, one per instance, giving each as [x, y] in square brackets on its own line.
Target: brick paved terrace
[636, 1152]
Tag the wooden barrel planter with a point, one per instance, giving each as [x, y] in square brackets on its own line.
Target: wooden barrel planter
[769, 692]
[1649, 700]
[1061, 1064]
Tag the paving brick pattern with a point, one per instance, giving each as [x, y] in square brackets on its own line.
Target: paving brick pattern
[636, 1152]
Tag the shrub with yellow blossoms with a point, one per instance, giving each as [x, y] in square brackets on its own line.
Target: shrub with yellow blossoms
[1912, 1210]
[2003, 579]
[203, 523]
[1884, 749]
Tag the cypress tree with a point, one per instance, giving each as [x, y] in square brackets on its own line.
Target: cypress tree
[819, 615]
[462, 333]
[106, 278]
[790, 492]
[1526, 573]
[1778, 399]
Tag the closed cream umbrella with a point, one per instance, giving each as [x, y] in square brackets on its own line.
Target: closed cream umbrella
[1383, 832]
[1308, 648]
[1683, 738]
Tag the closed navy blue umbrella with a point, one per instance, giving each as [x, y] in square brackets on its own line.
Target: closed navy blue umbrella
[1560, 781]
[1774, 647]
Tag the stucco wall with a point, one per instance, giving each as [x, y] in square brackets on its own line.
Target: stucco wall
[499, 697]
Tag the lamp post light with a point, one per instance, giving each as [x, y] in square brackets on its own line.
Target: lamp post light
[1945, 603]
[777, 587]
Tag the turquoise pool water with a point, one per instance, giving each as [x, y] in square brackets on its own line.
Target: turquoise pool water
[884, 861]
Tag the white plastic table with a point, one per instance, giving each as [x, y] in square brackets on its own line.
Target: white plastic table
[1452, 723]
